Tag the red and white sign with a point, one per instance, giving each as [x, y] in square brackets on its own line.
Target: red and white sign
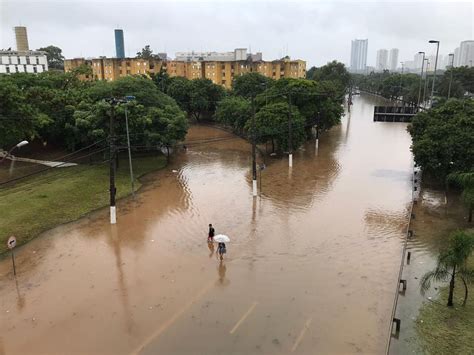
[11, 243]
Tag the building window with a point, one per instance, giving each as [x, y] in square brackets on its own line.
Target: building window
[44, 67]
[27, 60]
[8, 70]
[16, 69]
[37, 60]
[35, 70]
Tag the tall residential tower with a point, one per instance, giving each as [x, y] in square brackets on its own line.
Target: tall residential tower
[393, 60]
[119, 44]
[382, 60]
[359, 55]
[21, 39]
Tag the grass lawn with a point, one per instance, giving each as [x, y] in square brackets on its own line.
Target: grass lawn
[448, 330]
[63, 195]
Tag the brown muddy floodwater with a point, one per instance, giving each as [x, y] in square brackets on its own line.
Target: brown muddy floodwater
[312, 266]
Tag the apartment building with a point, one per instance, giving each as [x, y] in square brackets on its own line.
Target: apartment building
[23, 62]
[220, 68]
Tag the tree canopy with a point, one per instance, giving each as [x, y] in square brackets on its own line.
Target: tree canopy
[61, 110]
[334, 71]
[54, 56]
[251, 84]
[145, 53]
[443, 138]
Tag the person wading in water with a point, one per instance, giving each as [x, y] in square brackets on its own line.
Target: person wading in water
[221, 250]
[210, 236]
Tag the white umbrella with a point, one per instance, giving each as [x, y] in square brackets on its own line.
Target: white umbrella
[221, 238]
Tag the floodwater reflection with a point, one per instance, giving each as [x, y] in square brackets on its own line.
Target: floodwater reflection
[319, 250]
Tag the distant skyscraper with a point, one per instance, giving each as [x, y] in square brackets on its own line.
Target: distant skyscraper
[382, 60]
[456, 57]
[418, 61]
[21, 39]
[393, 61]
[359, 54]
[466, 53]
[119, 45]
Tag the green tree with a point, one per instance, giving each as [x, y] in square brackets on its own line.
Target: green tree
[203, 98]
[452, 264]
[319, 102]
[145, 53]
[466, 181]
[162, 80]
[443, 138]
[166, 128]
[234, 111]
[251, 84]
[55, 57]
[335, 72]
[271, 124]
[180, 89]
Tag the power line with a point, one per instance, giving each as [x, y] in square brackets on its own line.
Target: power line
[49, 168]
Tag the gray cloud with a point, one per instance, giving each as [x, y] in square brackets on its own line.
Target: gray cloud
[314, 31]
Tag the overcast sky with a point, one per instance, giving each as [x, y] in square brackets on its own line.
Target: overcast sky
[315, 31]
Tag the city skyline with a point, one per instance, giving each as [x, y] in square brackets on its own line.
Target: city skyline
[315, 32]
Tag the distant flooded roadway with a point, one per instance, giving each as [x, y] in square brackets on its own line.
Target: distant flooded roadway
[311, 269]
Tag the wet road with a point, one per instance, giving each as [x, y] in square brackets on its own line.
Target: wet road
[311, 267]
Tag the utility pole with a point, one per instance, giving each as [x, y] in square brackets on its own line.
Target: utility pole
[426, 80]
[434, 72]
[129, 152]
[113, 213]
[451, 76]
[421, 78]
[318, 120]
[290, 148]
[254, 152]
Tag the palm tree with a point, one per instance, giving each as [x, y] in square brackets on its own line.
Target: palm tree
[452, 264]
[466, 180]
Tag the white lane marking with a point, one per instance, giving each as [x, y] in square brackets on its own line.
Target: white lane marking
[241, 320]
[300, 337]
[173, 319]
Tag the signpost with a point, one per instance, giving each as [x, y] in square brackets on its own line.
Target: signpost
[11, 243]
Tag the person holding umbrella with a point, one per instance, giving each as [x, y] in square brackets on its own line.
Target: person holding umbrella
[221, 247]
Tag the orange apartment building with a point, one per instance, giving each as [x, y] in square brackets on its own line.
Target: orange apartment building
[220, 68]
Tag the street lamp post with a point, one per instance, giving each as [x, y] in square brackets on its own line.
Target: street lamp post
[421, 78]
[128, 99]
[401, 82]
[254, 153]
[19, 145]
[434, 73]
[290, 145]
[451, 76]
[426, 81]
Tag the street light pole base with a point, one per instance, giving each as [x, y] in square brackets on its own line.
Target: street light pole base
[113, 215]
[254, 188]
[290, 160]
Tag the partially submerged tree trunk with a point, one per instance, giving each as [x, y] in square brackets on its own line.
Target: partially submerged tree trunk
[451, 288]
[465, 291]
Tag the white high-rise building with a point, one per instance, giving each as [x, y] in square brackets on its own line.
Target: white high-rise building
[456, 57]
[466, 53]
[418, 60]
[382, 60]
[393, 60]
[359, 55]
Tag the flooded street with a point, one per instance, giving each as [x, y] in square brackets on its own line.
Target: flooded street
[312, 266]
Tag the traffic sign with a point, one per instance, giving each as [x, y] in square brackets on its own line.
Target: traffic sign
[11, 243]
